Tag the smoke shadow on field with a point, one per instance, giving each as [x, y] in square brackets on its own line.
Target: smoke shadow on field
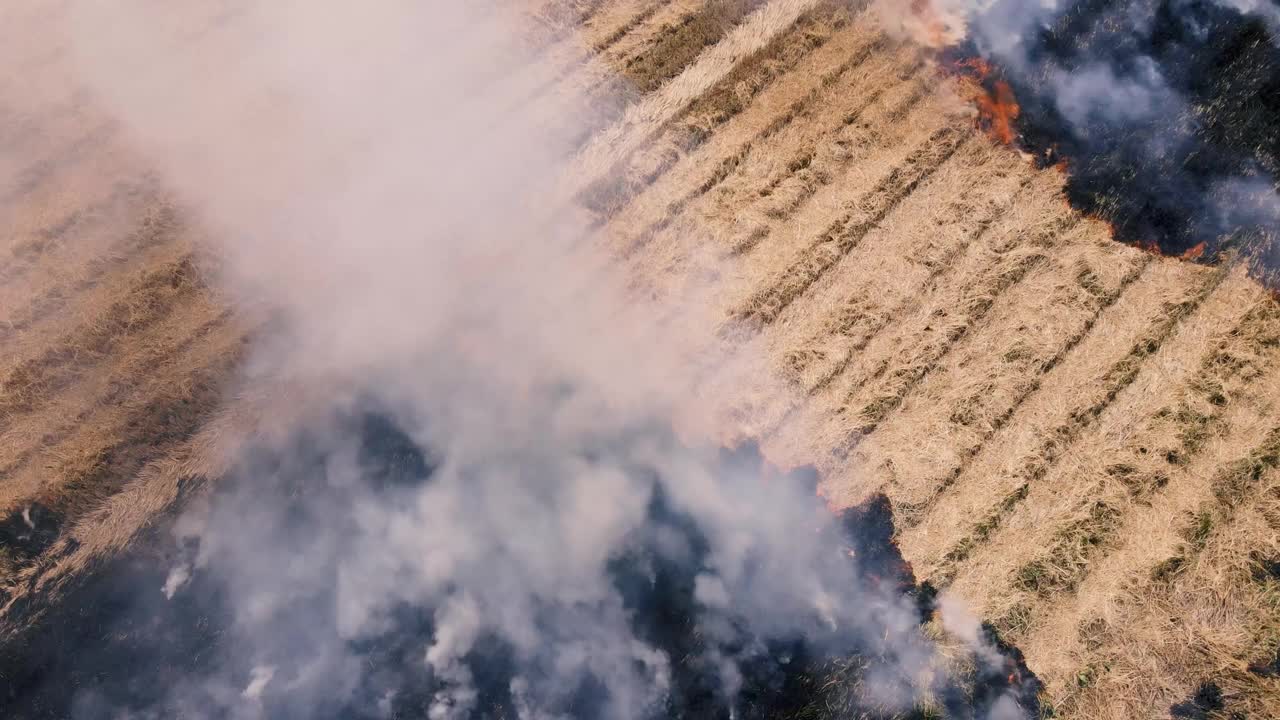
[129, 638]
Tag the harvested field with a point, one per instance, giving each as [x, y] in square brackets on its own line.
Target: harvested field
[1078, 438]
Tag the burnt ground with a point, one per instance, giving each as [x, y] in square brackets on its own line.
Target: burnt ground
[117, 643]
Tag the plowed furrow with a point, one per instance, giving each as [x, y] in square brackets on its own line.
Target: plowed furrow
[983, 486]
[26, 435]
[735, 182]
[186, 466]
[655, 52]
[852, 122]
[142, 304]
[565, 16]
[1152, 541]
[155, 239]
[1159, 446]
[645, 118]
[67, 231]
[826, 426]
[863, 167]
[1213, 620]
[718, 154]
[570, 72]
[677, 45]
[890, 383]
[845, 234]
[981, 389]
[1062, 439]
[98, 456]
[883, 282]
[46, 167]
[809, 171]
[154, 423]
[874, 397]
[637, 16]
[710, 112]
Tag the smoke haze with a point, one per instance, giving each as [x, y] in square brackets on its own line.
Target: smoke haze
[495, 507]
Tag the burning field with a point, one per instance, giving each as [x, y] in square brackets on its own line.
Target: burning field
[640, 359]
[1165, 115]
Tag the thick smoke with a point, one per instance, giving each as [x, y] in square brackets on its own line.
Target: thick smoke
[496, 515]
[1164, 112]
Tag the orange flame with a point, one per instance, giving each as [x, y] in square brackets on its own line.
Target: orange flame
[996, 112]
[997, 107]
[975, 66]
[1194, 253]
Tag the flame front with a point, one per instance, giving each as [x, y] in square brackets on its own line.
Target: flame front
[991, 96]
[997, 110]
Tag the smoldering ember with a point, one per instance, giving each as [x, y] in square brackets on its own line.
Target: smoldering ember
[640, 359]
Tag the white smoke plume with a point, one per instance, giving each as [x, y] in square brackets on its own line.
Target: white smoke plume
[373, 192]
